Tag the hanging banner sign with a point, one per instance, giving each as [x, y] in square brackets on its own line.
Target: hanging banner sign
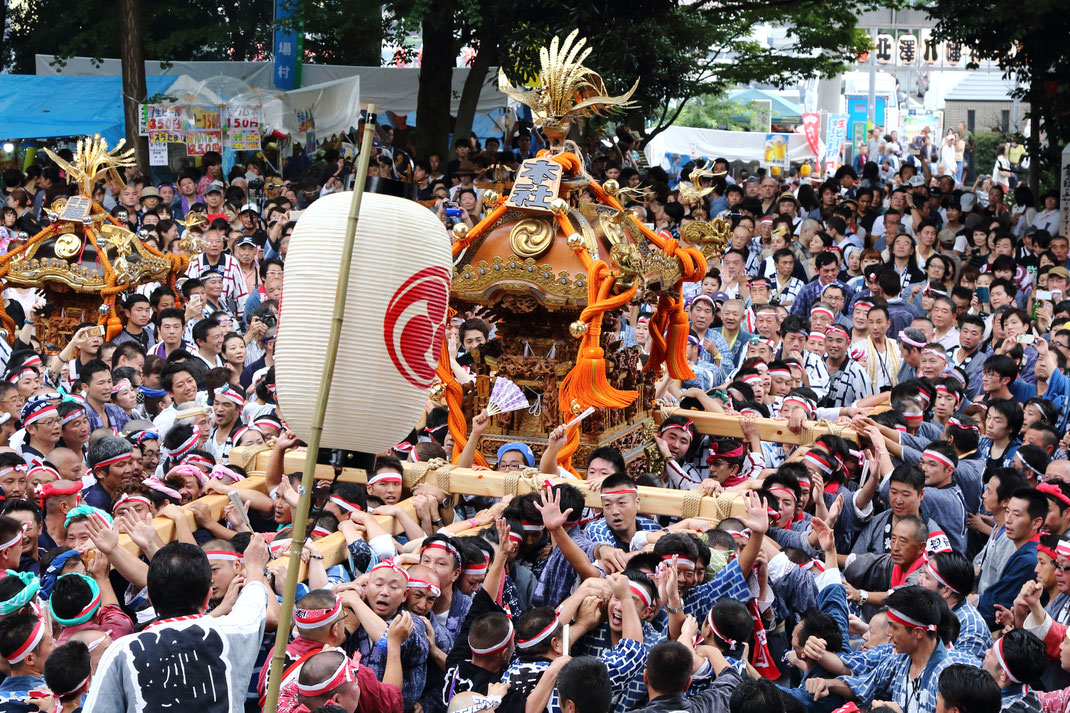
[205, 118]
[245, 140]
[811, 127]
[200, 142]
[167, 137]
[241, 117]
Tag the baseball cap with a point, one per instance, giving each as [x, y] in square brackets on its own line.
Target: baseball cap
[246, 240]
[721, 297]
[916, 181]
[968, 201]
[1059, 271]
[250, 208]
[214, 187]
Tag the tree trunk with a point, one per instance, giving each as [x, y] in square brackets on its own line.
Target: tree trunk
[436, 74]
[486, 56]
[132, 51]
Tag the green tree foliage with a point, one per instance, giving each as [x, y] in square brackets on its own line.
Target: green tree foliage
[1019, 37]
[711, 111]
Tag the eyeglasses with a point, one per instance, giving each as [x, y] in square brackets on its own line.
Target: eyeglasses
[48, 422]
[13, 400]
[1064, 568]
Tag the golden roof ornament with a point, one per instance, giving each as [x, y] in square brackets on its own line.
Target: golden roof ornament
[566, 88]
[92, 158]
[691, 193]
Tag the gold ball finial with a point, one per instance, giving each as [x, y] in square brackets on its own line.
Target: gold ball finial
[559, 206]
[460, 230]
[491, 197]
[611, 187]
[577, 407]
[575, 241]
[578, 329]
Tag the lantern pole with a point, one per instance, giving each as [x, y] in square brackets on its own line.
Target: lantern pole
[300, 516]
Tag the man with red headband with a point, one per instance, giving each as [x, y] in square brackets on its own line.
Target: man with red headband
[25, 643]
[910, 679]
[674, 441]
[111, 460]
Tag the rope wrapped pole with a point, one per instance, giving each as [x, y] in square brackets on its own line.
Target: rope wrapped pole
[300, 517]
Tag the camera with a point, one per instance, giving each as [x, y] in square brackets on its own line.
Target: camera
[453, 210]
[269, 320]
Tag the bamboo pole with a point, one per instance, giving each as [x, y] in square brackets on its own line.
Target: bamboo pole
[278, 658]
[771, 430]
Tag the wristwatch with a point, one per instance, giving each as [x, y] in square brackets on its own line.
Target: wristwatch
[863, 597]
[673, 610]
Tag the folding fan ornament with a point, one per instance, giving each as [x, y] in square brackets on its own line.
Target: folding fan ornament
[505, 397]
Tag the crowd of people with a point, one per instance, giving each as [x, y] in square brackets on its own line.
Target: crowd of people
[914, 560]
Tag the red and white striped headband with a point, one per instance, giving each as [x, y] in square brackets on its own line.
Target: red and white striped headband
[46, 409]
[266, 421]
[513, 537]
[786, 373]
[821, 310]
[442, 545]
[936, 353]
[713, 628]
[197, 460]
[480, 568]
[900, 618]
[128, 498]
[813, 564]
[315, 618]
[913, 415]
[681, 561]
[228, 394]
[243, 430]
[816, 335]
[387, 476]
[389, 564]
[187, 445]
[123, 384]
[939, 457]
[781, 489]
[17, 538]
[998, 649]
[17, 377]
[807, 405]
[343, 674]
[72, 416]
[752, 378]
[30, 644]
[1062, 549]
[682, 426]
[529, 526]
[345, 504]
[741, 535]
[959, 424]
[542, 635]
[640, 591]
[318, 531]
[838, 329]
[818, 461]
[620, 491]
[421, 584]
[108, 462]
[500, 646]
[32, 361]
[936, 575]
[223, 556]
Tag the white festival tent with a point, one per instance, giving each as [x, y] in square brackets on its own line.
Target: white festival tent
[714, 143]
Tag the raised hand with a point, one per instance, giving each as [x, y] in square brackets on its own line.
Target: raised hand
[550, 508]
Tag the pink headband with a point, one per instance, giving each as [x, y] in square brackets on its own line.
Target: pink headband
[123, 384]
[189, 470]
[908, 341]
[219, 471]
[154, 483]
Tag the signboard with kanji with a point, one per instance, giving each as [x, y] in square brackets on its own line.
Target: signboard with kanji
[200, 142]
[907, 50]
[241, 117]
[536, 185]
[884, 48]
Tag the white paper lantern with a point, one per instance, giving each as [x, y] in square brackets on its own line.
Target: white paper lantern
[395, 320]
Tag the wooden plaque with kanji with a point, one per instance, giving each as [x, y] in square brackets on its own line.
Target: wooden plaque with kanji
[537, 183]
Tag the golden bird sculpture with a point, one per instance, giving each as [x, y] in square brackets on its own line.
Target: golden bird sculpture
[691, 193]
[566, 88]
[92, 158]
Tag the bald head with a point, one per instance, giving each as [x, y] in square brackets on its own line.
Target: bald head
[424, 574]
[67, 463]
[321, 668]
[1058, 470]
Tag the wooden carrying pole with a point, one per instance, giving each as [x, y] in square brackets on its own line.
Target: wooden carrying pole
[771, 430]
[300, 517]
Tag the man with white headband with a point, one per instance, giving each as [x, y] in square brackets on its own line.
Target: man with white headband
[25, 643]
[848, 380]
[111, 461]
[384, 593]
[386, 480]
[492, 641]
[319, 620]
[910, 678]
[943, 501]
[226, 420]
[1016, 659]
[42, 423]
[950, 575]
[327, 678]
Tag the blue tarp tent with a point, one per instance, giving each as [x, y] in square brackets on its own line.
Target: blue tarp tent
[45, 107]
